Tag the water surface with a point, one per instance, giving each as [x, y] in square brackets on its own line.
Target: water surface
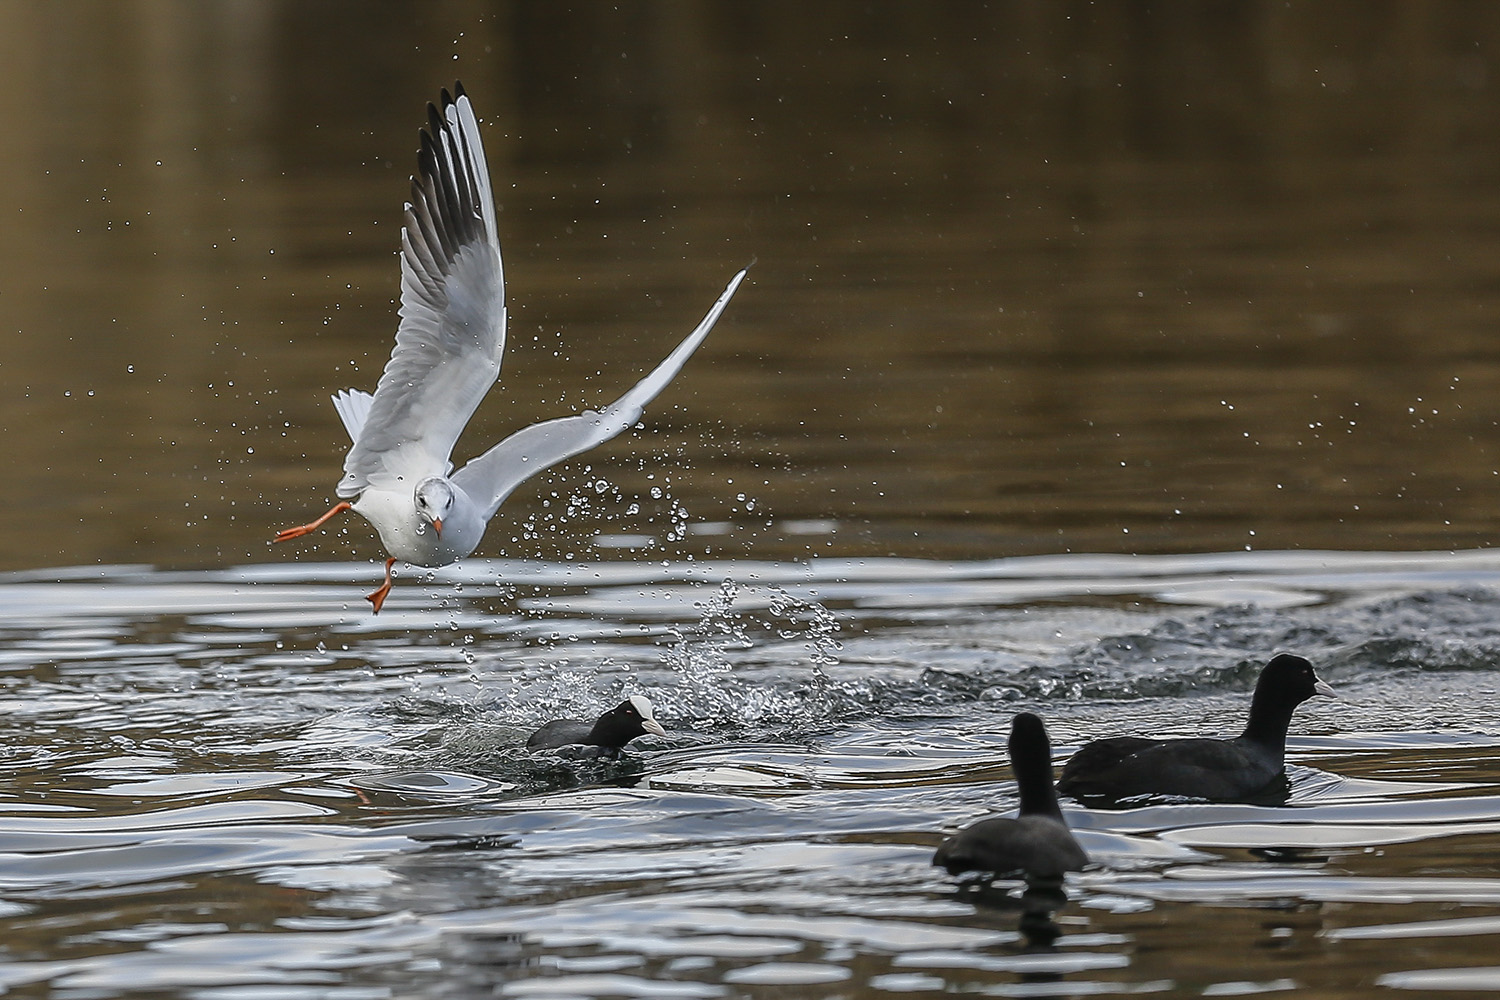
[1090, 356]
[242, 780]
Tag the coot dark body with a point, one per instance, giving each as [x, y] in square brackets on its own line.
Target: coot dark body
[1036, 843]
[1247, 768]
[611, 731]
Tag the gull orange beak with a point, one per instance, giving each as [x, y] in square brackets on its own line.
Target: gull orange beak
[437, 525]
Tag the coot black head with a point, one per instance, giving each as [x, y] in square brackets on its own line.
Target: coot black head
[623, 723]
[1286, 682]
[612, 730]
[1031, 762]
[1037, 842]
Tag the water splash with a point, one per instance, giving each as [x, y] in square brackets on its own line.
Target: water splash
[735, 666]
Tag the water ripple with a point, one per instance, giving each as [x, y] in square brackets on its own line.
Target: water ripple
[239, 780]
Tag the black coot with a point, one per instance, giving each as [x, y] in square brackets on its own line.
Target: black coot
[611, 731]
[1249, 767]
[1037, 843]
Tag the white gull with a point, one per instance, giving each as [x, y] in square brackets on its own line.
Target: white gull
[399, 475]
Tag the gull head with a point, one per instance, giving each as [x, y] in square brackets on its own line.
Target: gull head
[434, 499]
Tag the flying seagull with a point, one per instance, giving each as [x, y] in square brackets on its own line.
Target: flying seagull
[398, 475]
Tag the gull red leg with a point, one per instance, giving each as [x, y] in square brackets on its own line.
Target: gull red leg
[377, 596]
[311, 526]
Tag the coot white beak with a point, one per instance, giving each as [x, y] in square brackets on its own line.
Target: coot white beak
[648, 721]
[1323, 687]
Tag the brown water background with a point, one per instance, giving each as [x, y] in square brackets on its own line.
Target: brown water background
[1029, 277]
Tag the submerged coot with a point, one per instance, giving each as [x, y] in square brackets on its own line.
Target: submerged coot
[1037, 843]
[612, 730]
[1250, 765]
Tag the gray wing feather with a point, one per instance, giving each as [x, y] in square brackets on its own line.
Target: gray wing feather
[491, 477]
[452, 331]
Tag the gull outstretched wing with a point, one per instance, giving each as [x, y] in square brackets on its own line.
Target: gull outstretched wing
[491, 477]
[452, 331]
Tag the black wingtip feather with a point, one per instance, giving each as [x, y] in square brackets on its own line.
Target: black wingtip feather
[427, 155]
[445, 190]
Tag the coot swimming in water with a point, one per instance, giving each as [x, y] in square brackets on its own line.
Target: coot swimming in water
[1036, 843]
[611, 731]
[1250, 766]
